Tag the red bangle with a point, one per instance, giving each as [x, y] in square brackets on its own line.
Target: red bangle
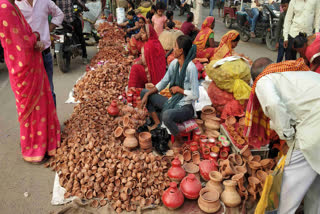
[38, 35]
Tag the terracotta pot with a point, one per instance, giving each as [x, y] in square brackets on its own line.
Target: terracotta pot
[215, 181]
[196, 157]
[266, 164]
[145, 140]
[191, 168]
[209, 200]
[213, 133]
[176, 172]
[262, 176]
[230, 197]
[235, 159]
[215, 149]
[194, 146]
[245, 152]
[113, 109]
[239, 178]
[207, 166]
[254, 182]
[256, 158]
[230, 121]
[196, 136]
[187, 155]
[130, 142]
[227, 169]
[200, 125]
[212, 125]
[118, 132]
[223, 155]
[172, 198]
[254, 166]
[190, 187]
[241, 169]
[207, 112]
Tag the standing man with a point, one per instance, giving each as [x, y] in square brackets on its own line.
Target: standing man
[67, 7]
[212, 4]
[256, 6]
[36, 12]
[285, 97]
[302, 16]
[197, 11]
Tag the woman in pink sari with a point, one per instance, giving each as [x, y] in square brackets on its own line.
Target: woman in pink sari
[309, 49]
[39, 125]
[152, 66]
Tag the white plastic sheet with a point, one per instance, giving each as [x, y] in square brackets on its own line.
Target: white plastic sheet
[58, 193]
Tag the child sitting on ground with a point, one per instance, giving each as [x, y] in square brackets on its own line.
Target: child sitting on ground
[132, 25]
[159, 20]
[170, 24]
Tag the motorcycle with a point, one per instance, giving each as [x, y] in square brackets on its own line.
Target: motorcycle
[67, 43]
[265, 27]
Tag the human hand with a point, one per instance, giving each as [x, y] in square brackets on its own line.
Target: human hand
[144, 101]
[39, 46]
[128, 30]
[277, 45]
[176, 89]
[285, 44]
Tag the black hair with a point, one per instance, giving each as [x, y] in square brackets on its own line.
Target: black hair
[237, 39]
[185, 43]
[300, 40]
[153, 7]
[131, 3]
[285, 1]
[131, 13]
[259, 65]
[171, 24]
[169, 14]
[190, 17]
[160, 6]
[143, 19]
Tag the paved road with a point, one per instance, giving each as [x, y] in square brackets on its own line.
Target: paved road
[17, 176]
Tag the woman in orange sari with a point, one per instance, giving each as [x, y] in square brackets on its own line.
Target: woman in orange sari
[228, 42]
[205, 39]
[39, 125]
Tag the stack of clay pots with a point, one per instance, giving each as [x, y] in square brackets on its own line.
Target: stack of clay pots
[211, 123]
[236, 131]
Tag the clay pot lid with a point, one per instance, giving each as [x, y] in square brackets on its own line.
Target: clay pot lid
[216, 176]
[209, 195]
[261, 175]
[145, 135]
[191, 168]
[229, 183]
[118, 132]
[254, 164]
[231, 121]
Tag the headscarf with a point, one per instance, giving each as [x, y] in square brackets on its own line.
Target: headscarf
[155, 56]
[203, 36]
[179, 79]
[225, 46]
[257, 124]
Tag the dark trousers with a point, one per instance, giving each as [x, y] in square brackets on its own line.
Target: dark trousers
[281, 51]
[184, 9]
[48, 65]
[170, 117]
[78, 30]
[291, 54]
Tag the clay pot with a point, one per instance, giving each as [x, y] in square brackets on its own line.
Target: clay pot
[207, 166]
[227, 169]
[241, 169]
[187, 155]
[212, 125]
[207, 113]
[190, 187]
[118, 132]
[113, 109]
[230, 197]
[235, 159]
[215, 181]
[266, 164]
[130, 142]
[254, 182]
[239, 178]
[209, 200]
[194, 146]
[215, 149]
[256, 158]
[172, 198]
[212, 133]
[254, 166]
[200, 124]
[262, 176]
[176, 173]
[230, 121]
[145, 140]
[223, 155]
[196, 157]
[191, 168]
[245, 152]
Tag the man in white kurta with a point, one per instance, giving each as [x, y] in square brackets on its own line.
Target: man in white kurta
[196, 10]
[292, 102]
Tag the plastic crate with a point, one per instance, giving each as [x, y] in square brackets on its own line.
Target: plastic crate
[263, 151]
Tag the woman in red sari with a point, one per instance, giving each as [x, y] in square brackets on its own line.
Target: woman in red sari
[152, 66]
[135, 44]
[39, 125]
[309, 49]
[205, 39]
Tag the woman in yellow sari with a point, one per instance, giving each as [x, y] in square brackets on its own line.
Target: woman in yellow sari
[228, 42]
[205, 39]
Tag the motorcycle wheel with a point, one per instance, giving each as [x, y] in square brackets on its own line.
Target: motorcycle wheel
[244, 36]
[271, 42]
[227, 21]
[63, 60]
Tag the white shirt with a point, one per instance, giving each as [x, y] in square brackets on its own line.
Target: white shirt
[37, 17]
[292, 99]
[302, 16]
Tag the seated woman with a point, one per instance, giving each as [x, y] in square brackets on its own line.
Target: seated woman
[152, 66]
[136, 44]
[205, 39]
[182, 76]
[228, 42]
[132, 25]
[188, 27]
[309, 49]
[170, 23]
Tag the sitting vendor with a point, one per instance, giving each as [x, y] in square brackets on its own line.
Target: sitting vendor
[132, 25]
[182, 76]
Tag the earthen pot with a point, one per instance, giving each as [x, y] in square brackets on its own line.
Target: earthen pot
[145, 140]
[187, 155]
[254, 166]
[230, 121]
[262, 176]
[235, 159]
[118, 132]
[215, 181]
[191, 168]
[196, 157]
[245, 152]
[230, 197]
[205, 167]
[256, 158]
[176, 173]
[190, 187]
[227, 169]
[207, 113]
[239, 178]
[212, 125]
[209, 200]
[113, 109]
[130, 142]
[172, 198]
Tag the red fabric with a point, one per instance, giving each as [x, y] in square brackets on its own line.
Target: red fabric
[135, 46]
[314, 49]
[187, 28]
[138, 77]
[39, 125]
[170, 58]
[155, 56]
